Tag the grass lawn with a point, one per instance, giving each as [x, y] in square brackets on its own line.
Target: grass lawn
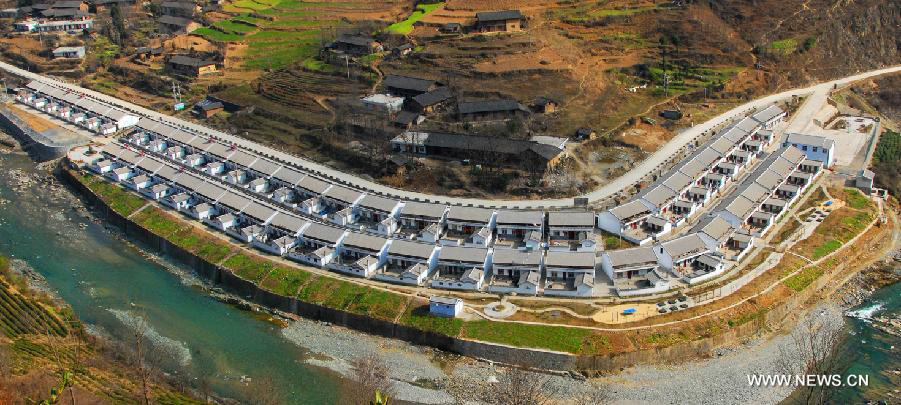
[524, 335]
[826, 248]
[285, 281]
[120, 200]
[856, 199]
[800, 281]
[212, 250]
[418, 317]
[406, 26]
[248, 268]
[158, 222]
[378, 304]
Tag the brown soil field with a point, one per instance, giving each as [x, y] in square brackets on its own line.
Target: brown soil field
[647, 137]
[37, 123]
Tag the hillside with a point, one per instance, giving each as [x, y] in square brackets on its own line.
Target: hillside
[612, 65]
[45, 349]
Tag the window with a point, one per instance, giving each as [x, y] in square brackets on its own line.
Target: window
[804, 148]
[814, 148]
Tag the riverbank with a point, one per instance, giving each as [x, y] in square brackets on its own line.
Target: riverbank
[43, 345]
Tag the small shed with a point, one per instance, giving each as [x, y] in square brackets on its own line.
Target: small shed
[451, 28]
[207, 108]
[446, 307]
[671, 114]
[545, 105]
[585, 133]
[865, 181]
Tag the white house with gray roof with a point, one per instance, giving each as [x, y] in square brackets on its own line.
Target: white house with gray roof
[359, 254]
[513, 227]
[769, 117]
[469, 226]
[628, 216]
[569, 274]
[814, 147]
[677, 255]
[515, 272]
[408, 262]
[461, 268]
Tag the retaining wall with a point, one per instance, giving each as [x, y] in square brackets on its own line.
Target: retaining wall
[39, 148]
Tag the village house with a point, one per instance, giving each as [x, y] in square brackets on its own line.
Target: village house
[378, 214]
[515, 272]
[147, 53]
[451, 28]
[461, 268]
[677, 255]
[54, 25]
[382, 103]
[623, 218]
[104, 6]
[533, 153]
[629, 263]
[207, 108]
[337, 198]
[491, 110]
[317, 244]
[427, 103]
[359, 254]
[469, 225]
[569, 273]
[182, 9]
[356, 45]
[499, 21]
[769, 117]
[568, 228]
[513, 227]
[170, 24]
[417, 216]
[404, 86]
[814, 147]
[188, 66]
[408, 262]
[69, 52]
[407, 120]
[544, 105]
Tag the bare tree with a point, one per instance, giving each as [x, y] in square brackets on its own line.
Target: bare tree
[815, 348]
[370, 374]
[518, 387]
[262, 391]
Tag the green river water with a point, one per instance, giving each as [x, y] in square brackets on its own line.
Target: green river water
[107, 283]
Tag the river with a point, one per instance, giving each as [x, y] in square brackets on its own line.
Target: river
[108, 283]
[875, 352]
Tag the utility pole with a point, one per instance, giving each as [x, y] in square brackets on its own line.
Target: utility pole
[347, 65]
[665, 75]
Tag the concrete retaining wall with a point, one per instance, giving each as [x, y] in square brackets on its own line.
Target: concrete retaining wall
[40, 149]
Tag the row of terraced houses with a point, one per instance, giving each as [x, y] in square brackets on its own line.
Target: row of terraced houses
[285, 209]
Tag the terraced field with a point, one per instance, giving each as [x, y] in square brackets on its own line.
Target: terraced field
[281, 32]
[299, 88]
[22, 316]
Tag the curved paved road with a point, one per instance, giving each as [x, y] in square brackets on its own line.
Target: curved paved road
[634, 176]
